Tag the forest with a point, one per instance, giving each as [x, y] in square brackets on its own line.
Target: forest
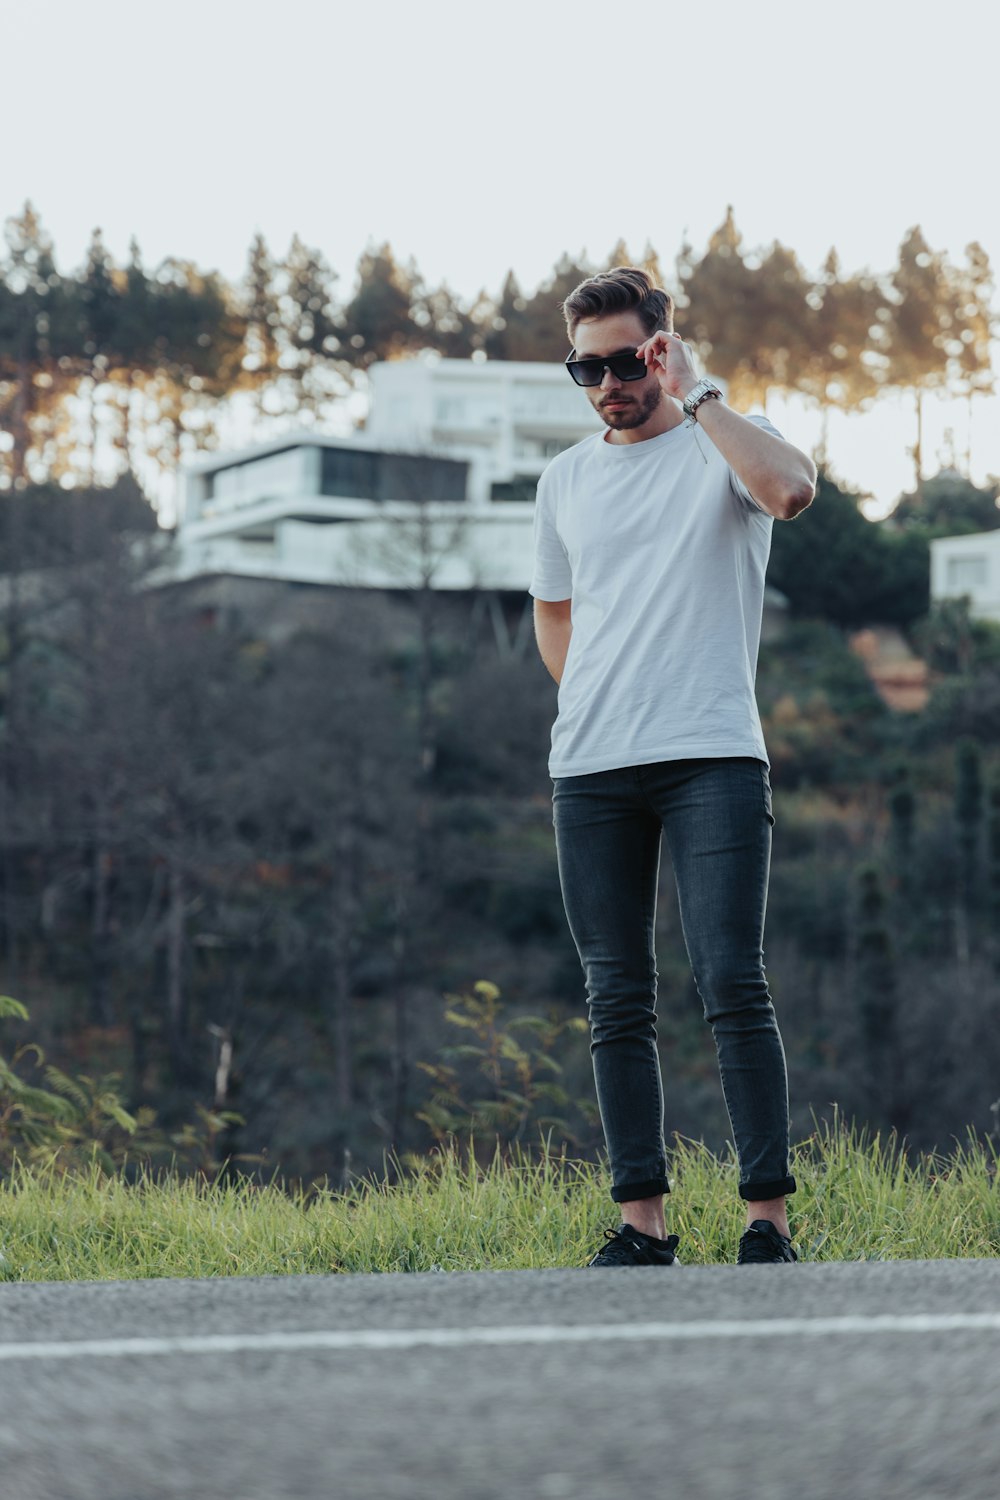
[307, 879]
[112, 369]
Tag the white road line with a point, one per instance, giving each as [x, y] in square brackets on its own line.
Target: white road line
[451, 1338]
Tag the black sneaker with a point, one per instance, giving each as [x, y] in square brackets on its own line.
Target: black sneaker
[763, 1243]
[630, 1247]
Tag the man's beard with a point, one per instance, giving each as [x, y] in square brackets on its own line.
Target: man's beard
[635, 413]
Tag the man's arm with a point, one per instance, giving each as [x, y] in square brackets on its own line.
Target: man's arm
[781, 479]
[553, 628]
[779, 476]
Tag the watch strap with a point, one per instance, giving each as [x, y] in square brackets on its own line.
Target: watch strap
[705, 390]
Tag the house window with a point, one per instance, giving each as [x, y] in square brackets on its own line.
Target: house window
[966, 573]
[364, 475]
[520, 488]
[348, 471]
[252, 479]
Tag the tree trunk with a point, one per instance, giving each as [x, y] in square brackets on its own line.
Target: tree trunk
[225, 1084]
[963, 946]
[176, 1010]
[19, 427]
[422, 874]
[101, 1010]
[124, 441]
[918, 448]
[13, 517]
[10, 942]
[137, 1030]
[342, 918]
[92, 426]
[400, 1018]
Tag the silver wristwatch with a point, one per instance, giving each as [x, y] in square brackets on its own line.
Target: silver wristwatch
[705, 390]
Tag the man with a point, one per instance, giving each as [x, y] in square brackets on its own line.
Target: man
[651, 544]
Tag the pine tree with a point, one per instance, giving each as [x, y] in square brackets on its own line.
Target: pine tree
[447, 326]
[977, 322]
[839, 373]
[99, 293]
[135, 335]
[619, 256]
[310, 331]
[378, 320]
[261, 363]
[196, 357]
[481, 315]
[650, 263]
[34, 334]
[717, 297]
[779, 356]
[507, 334]
[915, 325]
[543, 319]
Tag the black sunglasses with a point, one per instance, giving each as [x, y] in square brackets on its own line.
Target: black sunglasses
[623, 366]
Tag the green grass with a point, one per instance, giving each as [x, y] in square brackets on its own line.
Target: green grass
[858, 1199]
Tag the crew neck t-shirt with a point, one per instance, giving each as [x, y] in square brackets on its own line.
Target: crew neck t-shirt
[662, 550]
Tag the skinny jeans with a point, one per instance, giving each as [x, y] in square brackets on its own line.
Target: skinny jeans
[716, 814]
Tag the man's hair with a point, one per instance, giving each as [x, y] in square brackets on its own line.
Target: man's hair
[623, 289]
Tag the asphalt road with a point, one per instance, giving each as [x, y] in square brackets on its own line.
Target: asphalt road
[864, 1381]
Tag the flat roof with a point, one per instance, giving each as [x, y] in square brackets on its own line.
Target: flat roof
[210, 463]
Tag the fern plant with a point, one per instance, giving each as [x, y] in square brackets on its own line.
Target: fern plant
[514, 1059]
[74, 1122]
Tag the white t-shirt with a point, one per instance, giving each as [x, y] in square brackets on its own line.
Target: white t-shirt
[663, 551]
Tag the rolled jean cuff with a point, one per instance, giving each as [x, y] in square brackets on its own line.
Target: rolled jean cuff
[633, 1190]
[756, 1192]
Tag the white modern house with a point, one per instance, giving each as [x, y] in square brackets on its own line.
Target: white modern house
[438, 487]
[437, 490]
[968, 565]
[506, 417]
[311, 509]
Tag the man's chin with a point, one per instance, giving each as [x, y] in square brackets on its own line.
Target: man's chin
[627, 416]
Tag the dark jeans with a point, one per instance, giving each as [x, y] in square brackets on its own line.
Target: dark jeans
[716, 814]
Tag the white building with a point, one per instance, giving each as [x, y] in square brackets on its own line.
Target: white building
[465, 439]
[507, 417]
[311, 509]
[968, 565]
[438, 490]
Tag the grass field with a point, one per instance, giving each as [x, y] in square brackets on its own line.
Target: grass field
[859, 1198]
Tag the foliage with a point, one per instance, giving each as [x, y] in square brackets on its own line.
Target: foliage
[954, 642]
[843, 309]
[152, 355]
[833, 562]
[820, 713]
[747, 316]
[964, 653]
[55, 527]
[948, 504]
[81, 1121]
[523, 1080]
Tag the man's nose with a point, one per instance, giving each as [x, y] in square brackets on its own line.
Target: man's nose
[609, 376]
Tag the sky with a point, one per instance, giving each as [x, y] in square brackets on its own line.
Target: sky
[478, 138]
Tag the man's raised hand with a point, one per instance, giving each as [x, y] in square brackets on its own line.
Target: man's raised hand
[672, 360]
